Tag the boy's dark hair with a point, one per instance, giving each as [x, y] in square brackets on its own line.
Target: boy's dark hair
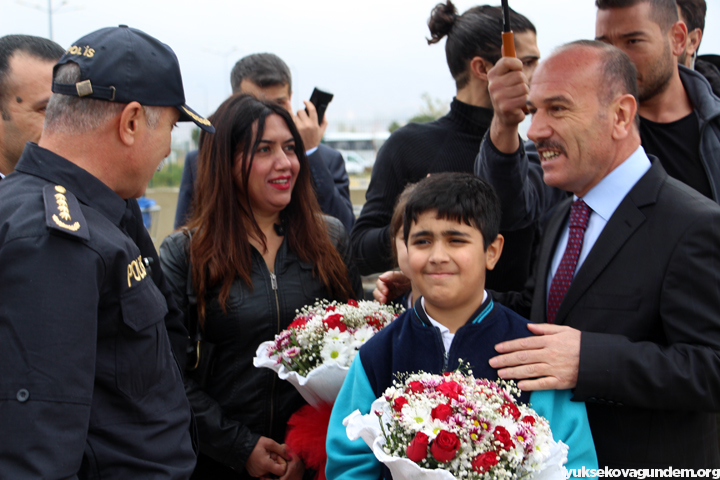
[662, 12]
[262, 69]
[475, 33]
[396, 222]
[693, 12]
[462, 197]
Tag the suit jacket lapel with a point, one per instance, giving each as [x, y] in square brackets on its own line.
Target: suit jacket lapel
[622, 225]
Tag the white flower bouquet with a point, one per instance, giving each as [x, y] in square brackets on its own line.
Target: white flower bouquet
[455, 426]
[317, 348]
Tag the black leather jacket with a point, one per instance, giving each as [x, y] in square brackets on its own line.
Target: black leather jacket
[241, 402]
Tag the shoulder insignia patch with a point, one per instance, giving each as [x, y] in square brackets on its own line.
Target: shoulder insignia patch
[63, 213]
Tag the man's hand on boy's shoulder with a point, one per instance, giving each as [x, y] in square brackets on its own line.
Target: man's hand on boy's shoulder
[550, 359]
[390, 285]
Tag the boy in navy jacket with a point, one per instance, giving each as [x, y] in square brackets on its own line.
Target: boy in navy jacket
[451, 224]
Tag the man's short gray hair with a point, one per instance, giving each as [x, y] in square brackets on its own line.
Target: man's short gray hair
[74, 115]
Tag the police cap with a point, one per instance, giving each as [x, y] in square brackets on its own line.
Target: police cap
[123, 64]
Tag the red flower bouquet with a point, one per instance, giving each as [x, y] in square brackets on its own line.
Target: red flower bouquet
[456, 426]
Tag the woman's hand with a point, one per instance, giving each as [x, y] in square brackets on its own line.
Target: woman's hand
[268, 457]
[295, 469]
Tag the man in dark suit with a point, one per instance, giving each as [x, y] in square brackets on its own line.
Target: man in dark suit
[627, 273]
[268, 77]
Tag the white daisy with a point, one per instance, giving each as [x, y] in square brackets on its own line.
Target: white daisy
[361, 335]
[416, 417]
[335, 351]
[334, 334]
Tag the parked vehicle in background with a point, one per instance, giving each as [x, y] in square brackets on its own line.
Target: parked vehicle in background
[354, 162]
[366, 144]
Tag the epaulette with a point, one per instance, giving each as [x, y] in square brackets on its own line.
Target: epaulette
[63, 213]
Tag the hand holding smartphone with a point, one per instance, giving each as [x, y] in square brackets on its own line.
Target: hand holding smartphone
[321, 100]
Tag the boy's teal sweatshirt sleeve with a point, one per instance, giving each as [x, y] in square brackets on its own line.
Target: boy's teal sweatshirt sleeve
[346, 459]
[569, 424]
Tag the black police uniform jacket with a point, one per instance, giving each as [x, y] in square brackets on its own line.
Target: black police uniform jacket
[242, 402]
[88, 384]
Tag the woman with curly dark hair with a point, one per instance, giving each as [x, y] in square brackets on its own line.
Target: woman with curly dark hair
[256, 249]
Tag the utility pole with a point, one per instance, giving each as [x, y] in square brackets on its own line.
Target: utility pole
[224, 55]
[50, 11]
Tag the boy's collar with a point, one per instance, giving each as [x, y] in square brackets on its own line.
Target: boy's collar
[433, 322]
[482, 311]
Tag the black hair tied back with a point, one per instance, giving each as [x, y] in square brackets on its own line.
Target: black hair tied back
[441, 21]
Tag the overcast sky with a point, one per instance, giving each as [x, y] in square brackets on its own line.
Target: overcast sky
[371, 54]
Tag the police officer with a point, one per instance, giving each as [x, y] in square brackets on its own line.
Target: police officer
[88, 383]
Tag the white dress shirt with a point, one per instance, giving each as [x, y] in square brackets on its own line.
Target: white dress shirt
[447, 337]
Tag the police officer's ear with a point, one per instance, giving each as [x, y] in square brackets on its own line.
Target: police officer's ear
[131, 119]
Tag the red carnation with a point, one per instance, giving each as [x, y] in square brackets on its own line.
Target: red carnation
[511, 409]
[450, 389]
[298, 322]
[373, 321]
[352, 303]
[445, 446]
[416, 387]
[528, 419]
[335, 321]
[417, 450]
[330, 308]
[399, 403]
[441, 412]
[503, 436]
[485, 461]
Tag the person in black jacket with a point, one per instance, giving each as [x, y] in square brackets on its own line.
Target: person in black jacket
[692, 13]
[268, 77]
[90, 386]
[259, 249]
[24, 61]
[450, 143]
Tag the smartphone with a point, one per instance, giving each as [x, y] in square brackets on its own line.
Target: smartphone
[321, 100]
